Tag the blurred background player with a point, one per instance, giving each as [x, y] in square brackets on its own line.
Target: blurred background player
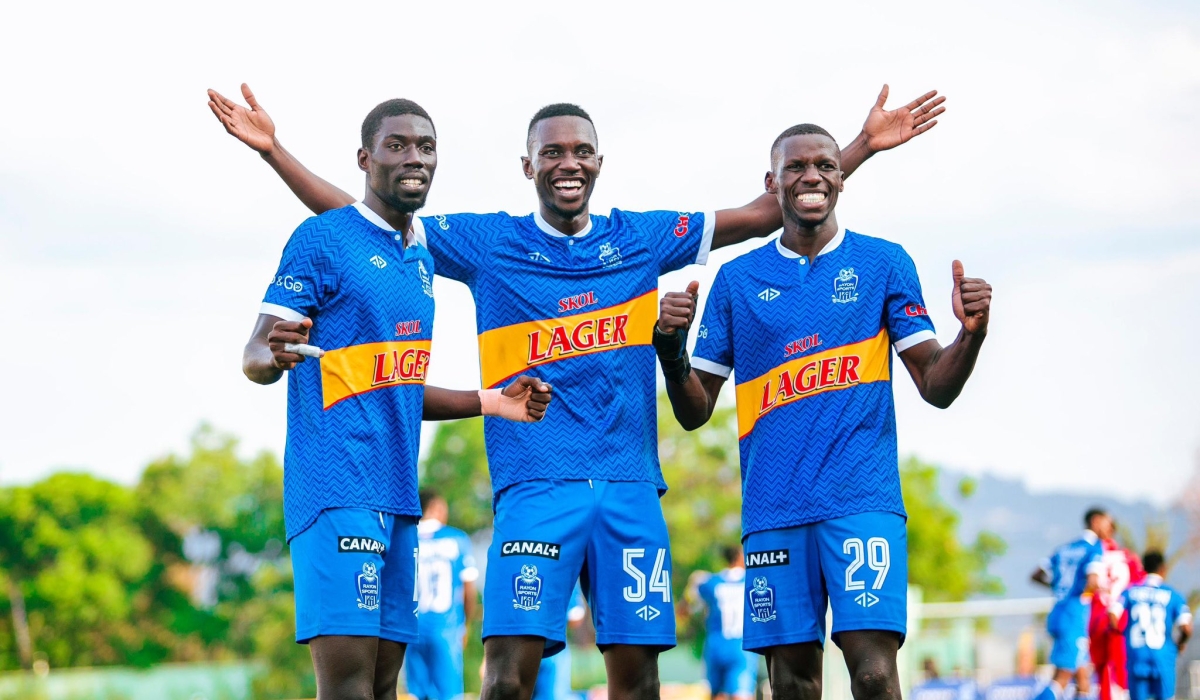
[732, 672]
[554, 675]
[446, 601]
[1154, 610]
[1072, 573]
[574, 293]
[807, 325]
[1120, 568]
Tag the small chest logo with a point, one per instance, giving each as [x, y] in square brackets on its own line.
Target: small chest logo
[768, 294]
[426, 280]
[536, 256]
[609, 256]
[762, 600]
[368, 587]
[378, 262]
[527, 589]
[845, 287]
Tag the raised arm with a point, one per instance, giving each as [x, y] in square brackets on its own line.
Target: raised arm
[692, 392]
[883, 130]
[255, 128]
[940, 373]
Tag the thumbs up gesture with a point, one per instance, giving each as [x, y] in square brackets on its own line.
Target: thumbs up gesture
[972, 301]
[677, 309]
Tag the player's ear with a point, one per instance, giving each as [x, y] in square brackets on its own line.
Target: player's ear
[599, 164]
[527, 167]
[770, 184]
[364, 160]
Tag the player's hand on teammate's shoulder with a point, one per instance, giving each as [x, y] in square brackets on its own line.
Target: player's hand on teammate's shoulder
[536, 394]
[250, 126]
[676, 310]
[285, 333]
[886, 129]
[972, 300]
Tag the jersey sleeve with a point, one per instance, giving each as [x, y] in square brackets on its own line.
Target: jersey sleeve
[460, 244]
[1093, 563]
[714, 337]
[676, 238]
[470, 571]
[306, 277]
[907, 320]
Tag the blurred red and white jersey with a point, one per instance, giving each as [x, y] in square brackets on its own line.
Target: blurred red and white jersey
[1120, 568]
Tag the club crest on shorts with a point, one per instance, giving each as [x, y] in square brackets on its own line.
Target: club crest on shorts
[762, 600]
[527, 589]
[368, 587]
[845, 287]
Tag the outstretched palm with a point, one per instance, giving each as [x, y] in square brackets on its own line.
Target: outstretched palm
[888, 129]
[250, 126]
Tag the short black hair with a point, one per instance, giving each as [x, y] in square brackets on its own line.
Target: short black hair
[1153, 561]
[558, 109]
[427, 496]
[798, 130]
[1092, 512]
[730, 553]
[392, 108]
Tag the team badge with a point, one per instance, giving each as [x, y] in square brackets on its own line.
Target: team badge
[368, 588]
[845, 287]
[609, 256]
[527, 589]
[426, 282]
[762, 600]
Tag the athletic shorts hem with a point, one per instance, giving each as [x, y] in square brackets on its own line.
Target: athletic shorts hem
[400, 637]
[525, 631]
[871, 626]
[645, 640]
[759, 646]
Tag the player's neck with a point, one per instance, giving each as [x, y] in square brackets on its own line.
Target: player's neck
[567, 225]
[808, 241]
[399, 220]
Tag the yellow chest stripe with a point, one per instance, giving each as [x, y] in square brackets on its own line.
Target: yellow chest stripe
[356, 369]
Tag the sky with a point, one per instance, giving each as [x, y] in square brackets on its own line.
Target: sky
[137, 238]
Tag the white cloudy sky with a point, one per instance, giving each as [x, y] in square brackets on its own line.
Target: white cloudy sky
[136, 237]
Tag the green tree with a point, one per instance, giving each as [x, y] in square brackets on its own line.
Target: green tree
[944, 567]
[457, 467]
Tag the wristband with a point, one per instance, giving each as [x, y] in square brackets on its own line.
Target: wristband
[493, 402]
[672, 354]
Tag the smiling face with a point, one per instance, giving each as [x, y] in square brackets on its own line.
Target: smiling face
[563, 164]
[806, 177]
[401, 162]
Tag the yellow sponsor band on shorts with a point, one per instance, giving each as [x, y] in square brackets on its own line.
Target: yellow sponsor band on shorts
[837, 368]
[508, 351]
[357, 369]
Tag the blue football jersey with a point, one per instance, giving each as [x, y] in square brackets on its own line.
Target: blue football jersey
[578, 312]
[1155, 610]
[810, 343]
[724, 596]
[444, 563]
[354, 416]
[1071, 564]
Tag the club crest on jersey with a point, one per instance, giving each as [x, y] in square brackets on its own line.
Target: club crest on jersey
[358, 545]
[527, 589]
[762, 600]
[426, 280]
[368, 587]
[845, 287]
[609, 256]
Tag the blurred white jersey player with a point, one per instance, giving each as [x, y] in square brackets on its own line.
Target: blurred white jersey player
[732, 672]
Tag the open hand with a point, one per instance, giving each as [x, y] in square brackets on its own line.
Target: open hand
[677, 309]
[284, 333]
[536, 392]
[250, 126]
[971, 299]
[888, 129]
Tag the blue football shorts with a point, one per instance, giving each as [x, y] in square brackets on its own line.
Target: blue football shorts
[1157, 687]
[732, 674]
[608, 535]
[433, 665]
[355, 574]
[1067, 625]
[858, 564]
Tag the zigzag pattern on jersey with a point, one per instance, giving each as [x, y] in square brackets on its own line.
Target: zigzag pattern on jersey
[832, 454]
[362, 452]
[602, 424]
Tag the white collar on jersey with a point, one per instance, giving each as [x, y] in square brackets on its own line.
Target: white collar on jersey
[428, 526]
[1090, 537]
[1154, 580]
[734, 574]
[829, 247]
[369, 214]
[551, 231]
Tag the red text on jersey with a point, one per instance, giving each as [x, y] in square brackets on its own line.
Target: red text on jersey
[576, 302]
[591, 333]
[816, 375]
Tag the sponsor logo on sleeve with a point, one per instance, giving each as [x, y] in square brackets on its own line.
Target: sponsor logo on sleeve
[512, 548]
[292, 284]
[771, 557]
[915, 310]
[357, 545]
[682, 224]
